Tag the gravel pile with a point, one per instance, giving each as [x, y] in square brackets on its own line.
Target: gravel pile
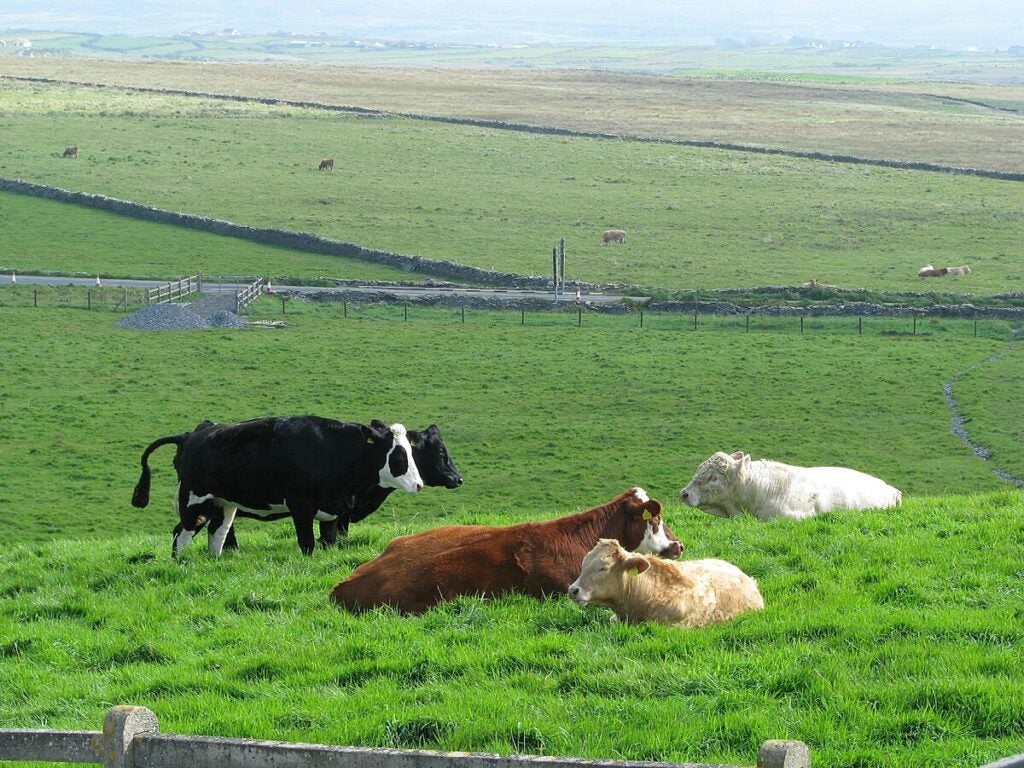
[225, 319]
[177, 317]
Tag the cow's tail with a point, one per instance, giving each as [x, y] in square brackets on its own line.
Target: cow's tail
[140, 496]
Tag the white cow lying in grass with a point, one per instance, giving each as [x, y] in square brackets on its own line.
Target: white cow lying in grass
[690, 593]
[726, 485]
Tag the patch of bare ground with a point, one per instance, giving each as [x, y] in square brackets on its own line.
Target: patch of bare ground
[958, 124]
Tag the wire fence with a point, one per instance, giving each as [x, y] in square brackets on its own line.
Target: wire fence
[581, 317]
[535, 314]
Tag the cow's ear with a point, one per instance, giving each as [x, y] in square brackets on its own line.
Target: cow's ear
[651, 508]
[373, 434]
[738, 456]
[378, 424]
[636, 563]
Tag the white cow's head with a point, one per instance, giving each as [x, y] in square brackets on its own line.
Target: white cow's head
[399, 470]
[713, 487]
[603, 573]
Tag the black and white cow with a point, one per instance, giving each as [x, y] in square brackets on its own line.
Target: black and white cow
[432, 460]
[305, 467]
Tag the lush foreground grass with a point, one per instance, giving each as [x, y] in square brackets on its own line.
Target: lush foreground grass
[889, 639]
[696, 218]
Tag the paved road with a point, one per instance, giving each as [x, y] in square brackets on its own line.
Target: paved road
[210, 286]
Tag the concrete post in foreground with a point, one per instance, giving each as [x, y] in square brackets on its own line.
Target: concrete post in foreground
[783, 753]
[120, 727]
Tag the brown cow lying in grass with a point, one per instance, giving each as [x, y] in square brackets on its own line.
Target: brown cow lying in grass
[416, 572]
[691, 593]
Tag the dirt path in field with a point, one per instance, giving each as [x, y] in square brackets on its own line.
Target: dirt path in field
[960, 430]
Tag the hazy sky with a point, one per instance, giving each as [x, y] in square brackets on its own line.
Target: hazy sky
[943, 23]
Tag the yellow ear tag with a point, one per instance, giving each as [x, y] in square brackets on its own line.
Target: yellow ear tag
[647, 514]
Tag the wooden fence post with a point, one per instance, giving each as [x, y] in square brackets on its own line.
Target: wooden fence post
[463, 314]
[641, 318]
[120, 727]
[579, 316]
[860, 325]
[407, 312]
[748, 322]
[88, 300]
[801, 325]
[522, 315]
[695, 319]
[783, 753]
[975, 329]
[915, 325]
[35, 297]
[344, 305]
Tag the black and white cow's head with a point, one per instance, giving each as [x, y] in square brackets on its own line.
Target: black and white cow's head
[431, 456]
[432, 459]
[399, 470]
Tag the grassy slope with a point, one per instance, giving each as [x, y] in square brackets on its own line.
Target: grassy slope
[45, 236]
[888, 640]
[872, 111]
[696, 218]
[868, 665]
[536, 417]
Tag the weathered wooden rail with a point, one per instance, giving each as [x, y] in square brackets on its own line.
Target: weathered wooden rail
[249, 294]
[176, 290]
[131, 738]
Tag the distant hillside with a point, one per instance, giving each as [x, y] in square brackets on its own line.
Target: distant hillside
[986, 25]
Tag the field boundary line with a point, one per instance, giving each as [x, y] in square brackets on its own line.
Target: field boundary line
[131, 738]
[302, 241]
[449, 270]
[546, 130]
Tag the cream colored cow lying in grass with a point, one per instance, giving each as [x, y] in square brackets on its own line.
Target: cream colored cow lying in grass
[726, 485]
[689, 593]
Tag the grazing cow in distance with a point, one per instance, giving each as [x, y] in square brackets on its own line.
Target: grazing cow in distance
[929, 271]
[812, 283]
[725, 485]
[613, 236]
[71, 152]
[430, 455]
[305, 467]
[327, 164]
[688, 593]
[964, 270]
[418, 571]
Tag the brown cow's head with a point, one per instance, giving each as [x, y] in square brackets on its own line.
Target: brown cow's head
[644, 530]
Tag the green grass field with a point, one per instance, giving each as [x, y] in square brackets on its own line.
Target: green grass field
[889, 638]
[566, 412]
[696, 218]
